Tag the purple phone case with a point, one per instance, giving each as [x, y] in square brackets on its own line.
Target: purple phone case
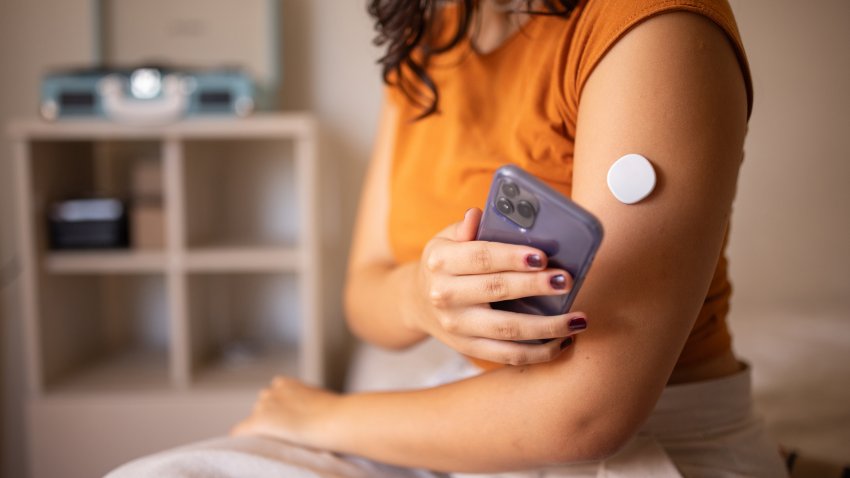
[568, 234]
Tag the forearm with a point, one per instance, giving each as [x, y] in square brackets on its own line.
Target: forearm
[509, 419]
[379, 305]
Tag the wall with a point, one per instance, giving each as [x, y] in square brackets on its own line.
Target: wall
[788, 243]
[790, 235]
[330, 69]
[33, 34]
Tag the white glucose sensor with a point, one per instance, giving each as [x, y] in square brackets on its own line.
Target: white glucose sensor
[631, 178]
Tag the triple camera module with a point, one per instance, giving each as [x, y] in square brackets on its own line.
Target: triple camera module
[516, 205]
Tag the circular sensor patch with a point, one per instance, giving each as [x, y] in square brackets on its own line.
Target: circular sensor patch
[631, 178]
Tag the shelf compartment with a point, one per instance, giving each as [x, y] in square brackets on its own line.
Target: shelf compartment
[128, 262]
[132, 371]
[240, 194]
[64, 169]
[244, 328]
[247, 372]
[235, 259]
[104, 332]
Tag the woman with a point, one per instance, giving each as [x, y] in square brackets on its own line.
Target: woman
[562, 89]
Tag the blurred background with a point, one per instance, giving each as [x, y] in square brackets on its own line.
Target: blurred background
[157, 346]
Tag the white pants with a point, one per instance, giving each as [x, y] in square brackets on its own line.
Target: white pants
[706, 429]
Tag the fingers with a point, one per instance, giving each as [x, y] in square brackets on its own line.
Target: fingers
[467, 229]
[447, 292]
[461, 274]
[482, 257]
[486, 323]
[512, 353]
[455, 251]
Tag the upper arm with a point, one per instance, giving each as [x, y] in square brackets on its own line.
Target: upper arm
[370, 248]
[671, 90]
[370, 244]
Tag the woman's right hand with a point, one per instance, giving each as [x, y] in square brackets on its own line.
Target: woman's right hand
[459, 277]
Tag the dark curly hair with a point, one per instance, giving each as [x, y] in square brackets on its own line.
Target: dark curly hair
[405, 27]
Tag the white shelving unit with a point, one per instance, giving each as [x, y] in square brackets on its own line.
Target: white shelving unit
[196, 327]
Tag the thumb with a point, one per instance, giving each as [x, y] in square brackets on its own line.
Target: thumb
[467, 229]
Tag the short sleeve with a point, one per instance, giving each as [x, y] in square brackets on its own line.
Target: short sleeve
[603, 22]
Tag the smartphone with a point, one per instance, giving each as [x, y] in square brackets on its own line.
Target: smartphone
[523, 210]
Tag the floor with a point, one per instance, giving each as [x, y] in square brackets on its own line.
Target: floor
[800, 359]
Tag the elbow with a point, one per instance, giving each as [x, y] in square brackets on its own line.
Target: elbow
[351, 310]
[605, 444]
[358, 318]
[347, 302]
[593, 438]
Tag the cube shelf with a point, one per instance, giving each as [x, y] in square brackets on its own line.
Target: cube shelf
[220, 294]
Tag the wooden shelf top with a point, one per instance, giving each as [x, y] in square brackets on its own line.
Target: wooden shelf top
[243, 259]
[257, 126]
[207, 259]
[252, 374]
[145, 372]
[131, 371]
[74, 262]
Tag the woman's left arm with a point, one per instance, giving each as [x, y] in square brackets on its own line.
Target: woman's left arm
[671, 90]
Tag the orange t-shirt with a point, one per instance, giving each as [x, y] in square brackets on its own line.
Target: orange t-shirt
[519, 104]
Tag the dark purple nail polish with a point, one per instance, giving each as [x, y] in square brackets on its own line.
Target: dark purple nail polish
[566, 343]
[558, 282]
[579, 323]
[534, 260]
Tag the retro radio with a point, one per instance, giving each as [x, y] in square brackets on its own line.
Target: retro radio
[146, 94]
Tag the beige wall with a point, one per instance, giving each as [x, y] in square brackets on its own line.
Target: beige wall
[791, 230]
[790, 234]
[33, 34]
[329, 68]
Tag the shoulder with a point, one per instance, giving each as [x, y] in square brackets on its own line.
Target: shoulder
[622, 11]
[602, 24]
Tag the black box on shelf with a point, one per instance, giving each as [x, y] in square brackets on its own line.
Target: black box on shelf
[96, 223]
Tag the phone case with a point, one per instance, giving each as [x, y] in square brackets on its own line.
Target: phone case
[543, 218]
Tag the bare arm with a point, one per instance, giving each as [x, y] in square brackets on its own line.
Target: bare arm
[375, 284]
[671, 90]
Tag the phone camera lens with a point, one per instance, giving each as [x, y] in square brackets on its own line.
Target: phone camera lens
[504, 205]
[525, 209]
[511, 190]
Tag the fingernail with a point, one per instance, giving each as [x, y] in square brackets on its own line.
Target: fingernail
[579, 323]
[534, 260]
[566, 343]
[558, 282]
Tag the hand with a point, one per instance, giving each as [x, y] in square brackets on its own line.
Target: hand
[290, 410]
[458, 279]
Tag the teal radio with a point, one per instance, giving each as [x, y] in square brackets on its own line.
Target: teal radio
[146, 95]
